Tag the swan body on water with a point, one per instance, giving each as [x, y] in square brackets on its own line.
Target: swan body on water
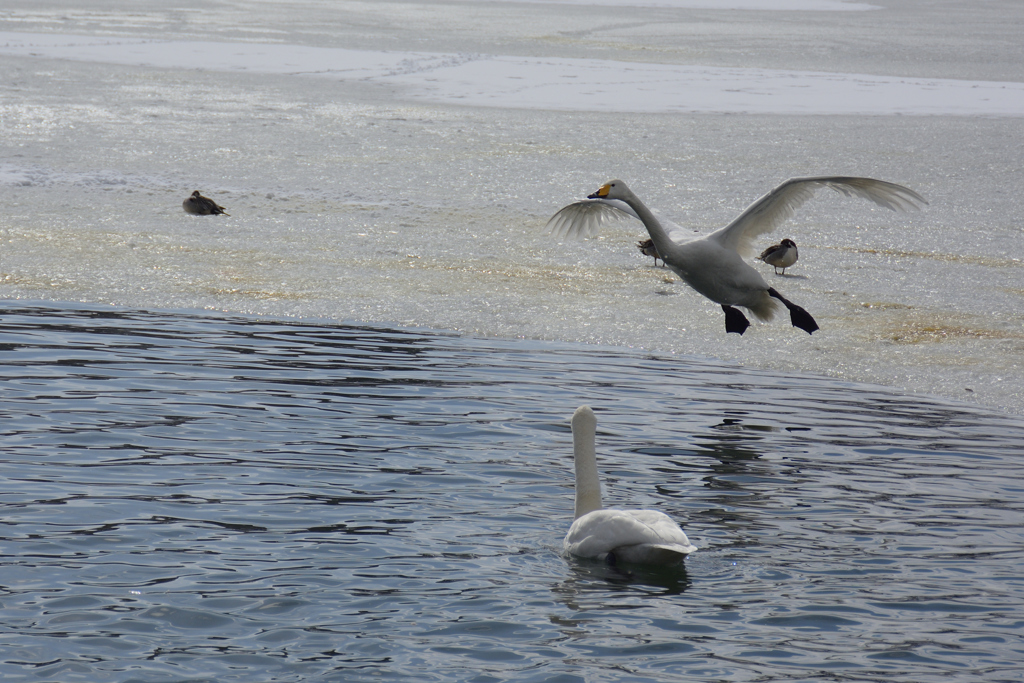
[714, 265]
[781, 255]
[636, 536]
[198, 205]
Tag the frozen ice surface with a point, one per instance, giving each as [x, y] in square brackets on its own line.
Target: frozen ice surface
[759, 5]
[553, 83]
[397, 162]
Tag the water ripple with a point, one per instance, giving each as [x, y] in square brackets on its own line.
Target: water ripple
[194, 497]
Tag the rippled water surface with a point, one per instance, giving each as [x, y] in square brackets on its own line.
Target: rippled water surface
[193, 498]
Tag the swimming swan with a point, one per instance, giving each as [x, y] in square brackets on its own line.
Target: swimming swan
[781, 255]
[639, 536]
[198, 205]
[713, 265]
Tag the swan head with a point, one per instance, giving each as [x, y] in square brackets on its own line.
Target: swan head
[613, 189]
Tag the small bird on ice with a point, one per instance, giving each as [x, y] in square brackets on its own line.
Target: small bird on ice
[198, 205]
[647, 248]
[781, 255]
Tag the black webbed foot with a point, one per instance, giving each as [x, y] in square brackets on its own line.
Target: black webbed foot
[735, 321]
[797, 315]
[802, 319]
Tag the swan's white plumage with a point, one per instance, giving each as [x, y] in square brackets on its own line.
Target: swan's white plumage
[641, 536]
[638, 536]
[586, 218]
[779, 205]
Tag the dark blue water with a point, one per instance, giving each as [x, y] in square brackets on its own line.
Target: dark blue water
[188, 497]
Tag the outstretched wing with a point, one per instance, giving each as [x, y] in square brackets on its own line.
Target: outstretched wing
[585, 218]
[780, 204]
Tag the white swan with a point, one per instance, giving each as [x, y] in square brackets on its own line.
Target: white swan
[198, 205]
[781, 255]
[713, 265]
[638, 536]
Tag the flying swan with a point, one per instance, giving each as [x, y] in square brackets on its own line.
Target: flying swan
[637, 536]
[713, 265]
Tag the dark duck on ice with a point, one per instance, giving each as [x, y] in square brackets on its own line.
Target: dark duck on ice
[198, 205]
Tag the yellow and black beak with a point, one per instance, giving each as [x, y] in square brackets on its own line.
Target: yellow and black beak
[600, 194]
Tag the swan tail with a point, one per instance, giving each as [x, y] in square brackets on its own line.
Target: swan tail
[649, 553]
[765, 308]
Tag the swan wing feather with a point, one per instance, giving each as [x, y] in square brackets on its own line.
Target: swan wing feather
[585, 218]
[631, 534]
[774, 208]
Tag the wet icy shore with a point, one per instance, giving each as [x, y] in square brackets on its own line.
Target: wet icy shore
[400, 197]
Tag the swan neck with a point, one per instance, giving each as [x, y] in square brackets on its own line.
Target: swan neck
[588, 485]
[651, 222]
